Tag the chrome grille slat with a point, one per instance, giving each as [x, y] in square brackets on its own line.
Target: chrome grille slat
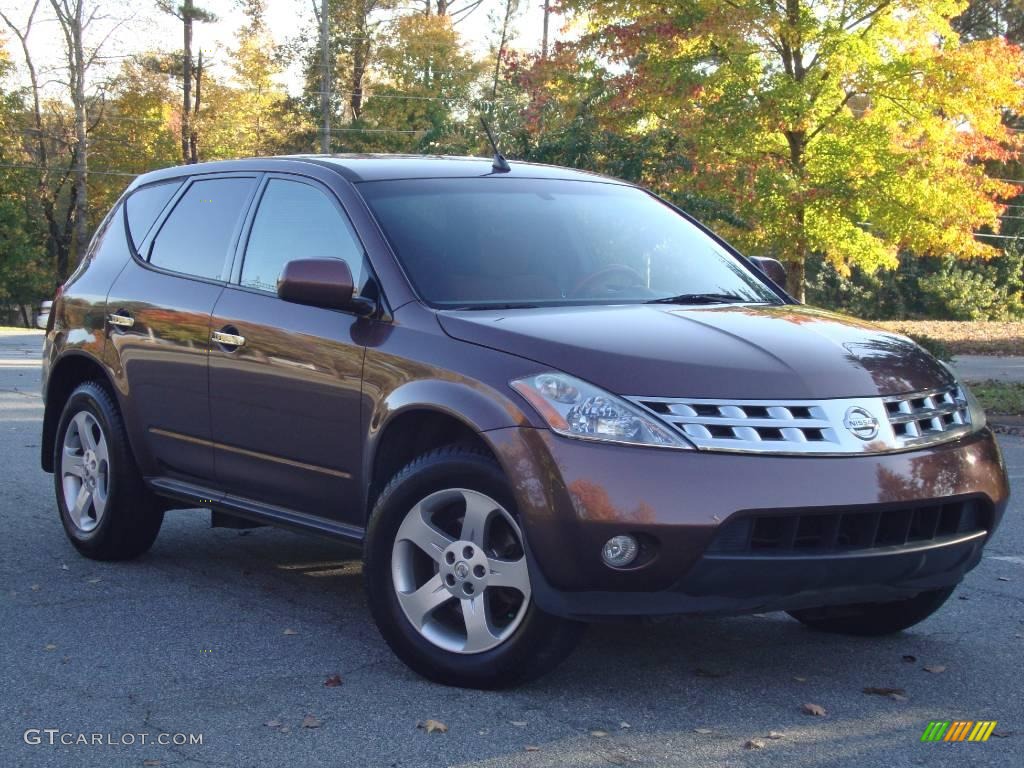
[815, 426]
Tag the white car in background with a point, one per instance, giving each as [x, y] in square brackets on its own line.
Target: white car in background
[44, 314]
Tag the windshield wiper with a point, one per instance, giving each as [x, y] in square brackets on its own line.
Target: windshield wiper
[700, 298]
[479, 307]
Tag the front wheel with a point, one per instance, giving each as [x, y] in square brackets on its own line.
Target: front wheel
[874, 619]
[447, 576]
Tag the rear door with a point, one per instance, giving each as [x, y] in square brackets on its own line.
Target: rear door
[159, 314]
[285, 380]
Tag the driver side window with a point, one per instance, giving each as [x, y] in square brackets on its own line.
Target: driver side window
[296, 220]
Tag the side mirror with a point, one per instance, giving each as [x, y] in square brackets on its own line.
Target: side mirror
[323, 283]
[772, 268]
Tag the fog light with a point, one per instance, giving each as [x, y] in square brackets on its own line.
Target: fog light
[620, 551]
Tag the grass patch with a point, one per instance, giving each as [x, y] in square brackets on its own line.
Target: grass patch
[1000, 398]
[964, 338]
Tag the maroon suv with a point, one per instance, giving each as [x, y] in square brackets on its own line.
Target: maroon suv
[535, 397]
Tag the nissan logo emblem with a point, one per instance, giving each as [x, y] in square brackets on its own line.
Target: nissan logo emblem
[861, 423]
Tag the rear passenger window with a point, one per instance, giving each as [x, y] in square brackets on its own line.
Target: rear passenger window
[196, 236]
[297, 221]
[145, 204]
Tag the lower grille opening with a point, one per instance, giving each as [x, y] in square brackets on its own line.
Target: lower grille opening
[822, 531]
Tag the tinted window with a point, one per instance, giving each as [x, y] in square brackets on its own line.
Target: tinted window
[549, 241]
[195, 237]
[297, 221]
[145, 204]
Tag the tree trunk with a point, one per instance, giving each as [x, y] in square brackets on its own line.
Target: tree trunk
[187, 10]
[358, 72]
[79, 187]
[501, 48]
[544, 39]
[193, 136]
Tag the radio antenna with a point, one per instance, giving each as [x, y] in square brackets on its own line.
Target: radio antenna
[499, 164]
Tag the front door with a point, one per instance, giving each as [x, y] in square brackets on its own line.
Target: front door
[285, 379]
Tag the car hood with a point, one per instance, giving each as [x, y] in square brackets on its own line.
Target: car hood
[732, 351]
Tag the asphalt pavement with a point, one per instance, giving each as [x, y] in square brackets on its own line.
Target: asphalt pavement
[1005, 368]
[231, 636]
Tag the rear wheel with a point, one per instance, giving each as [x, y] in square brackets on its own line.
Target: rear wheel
[447, 576]
[874, 619]
[105, 509]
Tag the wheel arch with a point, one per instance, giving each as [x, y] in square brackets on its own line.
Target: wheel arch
[72, 369]
[425, 414]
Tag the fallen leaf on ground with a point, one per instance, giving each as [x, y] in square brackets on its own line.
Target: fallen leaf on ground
[599, 734]
[799, 679]
[701, 672]
[531, 748]
[1003, 734]
[964, 597]
[333, 681]
[624, 724]
[35, 587]
[433, 726]
[50, 647]
[775, 735]
[290, 632]
[813, 709]
[94, 580]
[899, 697]
[64, 567]
[273, 723]
[909, 659]
[885, 691]
[704, 731]
[1002, 578]
[65, 660]
[754, 744]
[935, 668]
[311, 721]
[518, 723]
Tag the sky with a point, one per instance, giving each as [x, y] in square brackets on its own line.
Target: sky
[146, 28]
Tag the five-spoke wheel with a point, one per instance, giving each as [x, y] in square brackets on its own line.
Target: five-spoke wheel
[448, 577]
[85, 471]
[459, 570]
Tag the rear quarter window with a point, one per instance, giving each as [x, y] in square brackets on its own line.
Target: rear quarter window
[145, 205]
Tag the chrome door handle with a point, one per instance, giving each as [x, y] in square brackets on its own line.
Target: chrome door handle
[228, 339]
[120, 320]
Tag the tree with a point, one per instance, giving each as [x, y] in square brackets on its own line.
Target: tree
[426, 77]
[257, 111]
[57, 149]
[191, 73]
[853, 128]
[24, 273]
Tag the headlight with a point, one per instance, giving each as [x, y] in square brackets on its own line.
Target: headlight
[977, 413]
[575, 408]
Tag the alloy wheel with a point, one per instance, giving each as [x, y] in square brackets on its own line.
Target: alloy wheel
[85, 471]
[459, 570]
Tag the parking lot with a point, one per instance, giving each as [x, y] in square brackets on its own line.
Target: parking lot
[233, 634]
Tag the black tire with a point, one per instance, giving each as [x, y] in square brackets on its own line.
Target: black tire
[535, 647]
[874, 619]
[131, 518]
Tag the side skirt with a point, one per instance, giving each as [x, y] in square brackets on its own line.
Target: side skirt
[191, 495]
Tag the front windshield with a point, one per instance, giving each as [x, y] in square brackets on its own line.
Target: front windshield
[499, 241]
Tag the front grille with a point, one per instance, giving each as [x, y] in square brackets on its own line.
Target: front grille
[917, 417]
[823, 531]
[817, 426]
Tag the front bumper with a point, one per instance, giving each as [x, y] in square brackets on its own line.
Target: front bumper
[574, 495]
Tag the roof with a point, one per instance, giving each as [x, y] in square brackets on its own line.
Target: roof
[360, 168]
